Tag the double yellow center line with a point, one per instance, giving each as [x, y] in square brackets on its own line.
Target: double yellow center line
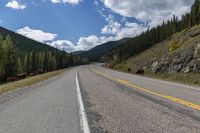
[170, 98]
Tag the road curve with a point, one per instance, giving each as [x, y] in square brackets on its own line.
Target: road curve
[114, 102]
[113, 106]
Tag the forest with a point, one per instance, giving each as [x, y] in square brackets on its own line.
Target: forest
[154, 35]
[19, 58]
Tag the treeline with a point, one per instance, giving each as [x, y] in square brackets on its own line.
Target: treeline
[34, 62]
[154, 35]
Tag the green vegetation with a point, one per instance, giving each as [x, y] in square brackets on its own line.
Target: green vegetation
[29, 81]
[95, 53]
[173, 46]
[173, 42]
[185, 78]
[19, 54]
[155, 35]
[185, 40]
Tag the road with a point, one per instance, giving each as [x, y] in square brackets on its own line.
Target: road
[98, 100]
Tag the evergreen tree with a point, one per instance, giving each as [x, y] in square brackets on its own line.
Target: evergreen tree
[2, 69]
[9, 58]
[19, 66]
[26, 64]
[195, 12]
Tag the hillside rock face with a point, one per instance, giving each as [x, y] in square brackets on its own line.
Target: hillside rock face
[184, 60]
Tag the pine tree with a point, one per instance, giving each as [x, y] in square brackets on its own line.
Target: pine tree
[9, 58]
[45, 62]
[194, 12]
[26, 64]
[33, 62]
[2, 69]
[19, 66]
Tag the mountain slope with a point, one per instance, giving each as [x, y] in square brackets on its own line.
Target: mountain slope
[21, 55]
[23, 44]
[97, 52]
[161, 59]
[181, 64]
[155, 35]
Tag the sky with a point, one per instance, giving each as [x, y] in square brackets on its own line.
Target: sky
[76, 25]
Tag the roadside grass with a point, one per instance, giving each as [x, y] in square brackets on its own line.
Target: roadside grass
[177, 43]
[29, 81]
[184, 78]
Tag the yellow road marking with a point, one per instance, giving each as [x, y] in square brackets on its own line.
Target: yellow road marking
[170, 98]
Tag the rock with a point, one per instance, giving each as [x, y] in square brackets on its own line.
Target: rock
[159, 66]
[186, 60]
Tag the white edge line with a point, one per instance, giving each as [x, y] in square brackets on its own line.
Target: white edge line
[82, 114]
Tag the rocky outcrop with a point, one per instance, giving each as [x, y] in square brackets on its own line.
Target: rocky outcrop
[184, 60]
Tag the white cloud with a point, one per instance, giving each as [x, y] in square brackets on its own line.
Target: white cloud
[48, 38]
[149, 10]
[63, 44]
[153, 11]
[55, 1]
[36, 34]
[129, 30]
[86, 43]
[112, 28]
[15, 5]
[73, 2]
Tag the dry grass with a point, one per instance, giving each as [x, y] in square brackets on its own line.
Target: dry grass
[29, 81]
[177, 43]
[184, 78]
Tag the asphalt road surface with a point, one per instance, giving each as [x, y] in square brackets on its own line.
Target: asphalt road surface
[98, 100]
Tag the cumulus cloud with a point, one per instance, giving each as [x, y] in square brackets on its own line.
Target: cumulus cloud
[127, 31]
[120, 31]
[86, 43]
[55, 1]
[36, 34]
[15, 5]
[63, 44]
[130, 30]
[153, 11]
[112, 28]
[73, 2]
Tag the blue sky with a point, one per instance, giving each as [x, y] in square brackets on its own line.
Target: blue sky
[83, 24]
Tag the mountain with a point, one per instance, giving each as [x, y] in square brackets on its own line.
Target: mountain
[164, 58]
[23, 44]
[78, 52]
[169, 51]
[153, 36]
[19, 54]
[165, 61]
[97, 52]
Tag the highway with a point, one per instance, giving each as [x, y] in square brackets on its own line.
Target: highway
[94, 99]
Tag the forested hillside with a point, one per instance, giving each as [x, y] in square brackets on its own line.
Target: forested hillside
[19, 54]
[97, 52]
[154, 35]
